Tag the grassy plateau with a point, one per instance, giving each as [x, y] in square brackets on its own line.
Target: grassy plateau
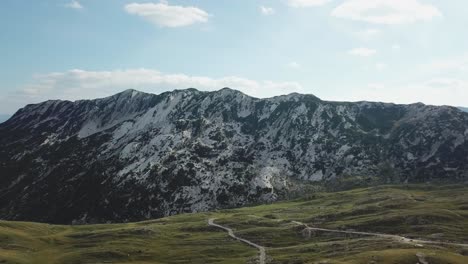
[419, 212]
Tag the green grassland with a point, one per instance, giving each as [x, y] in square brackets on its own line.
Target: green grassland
[436, 213]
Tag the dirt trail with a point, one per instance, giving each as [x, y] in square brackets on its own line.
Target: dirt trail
[416, 242]
[262, 252]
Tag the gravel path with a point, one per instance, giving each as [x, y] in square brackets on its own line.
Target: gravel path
[395, 237]
[262, 252]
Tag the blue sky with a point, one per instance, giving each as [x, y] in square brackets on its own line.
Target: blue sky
[401, 51]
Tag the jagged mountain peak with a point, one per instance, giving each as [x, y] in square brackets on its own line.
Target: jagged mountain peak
[227, 90]
[130, 93]
[297, 97]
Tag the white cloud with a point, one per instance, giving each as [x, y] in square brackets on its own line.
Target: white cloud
[380, 66]
[452, 64]
[362, 52]
[164, 15]
[441, 91]
[375, 86]
[390, 12]
[81, 84]
[368, 34]
[267, 10]
[396, 47]
[74, 4]
[294, 65]
[307, 3]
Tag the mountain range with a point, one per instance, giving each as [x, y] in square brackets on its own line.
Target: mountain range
[136, 156]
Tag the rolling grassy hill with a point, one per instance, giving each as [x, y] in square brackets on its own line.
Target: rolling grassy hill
[435, 213]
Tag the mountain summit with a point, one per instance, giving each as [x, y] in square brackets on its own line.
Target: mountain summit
[135, 155]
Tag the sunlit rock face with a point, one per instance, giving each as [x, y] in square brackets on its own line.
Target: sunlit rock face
[136, 156]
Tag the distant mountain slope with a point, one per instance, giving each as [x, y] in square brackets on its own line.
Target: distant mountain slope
[136, 156]
[464, 109]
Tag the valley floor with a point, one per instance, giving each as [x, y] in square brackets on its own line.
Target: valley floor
[417, 224]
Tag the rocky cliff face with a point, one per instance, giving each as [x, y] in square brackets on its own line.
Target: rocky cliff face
[136, 156]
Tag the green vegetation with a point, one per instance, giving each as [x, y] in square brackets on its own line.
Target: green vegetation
[436, 213]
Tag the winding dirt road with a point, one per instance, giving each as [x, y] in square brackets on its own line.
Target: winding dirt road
[262, 251]
[417, 242]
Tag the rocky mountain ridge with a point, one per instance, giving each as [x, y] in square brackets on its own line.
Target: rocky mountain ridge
[135, 156]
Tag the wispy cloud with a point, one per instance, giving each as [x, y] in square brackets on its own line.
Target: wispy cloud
[380, 66]
[440, 91]
[452, 64]
[267, 10]
[368, 34]
[307, 3]
[294, 65]
[164, 15]
[82, 84]
[74, 4]
[362, 52]
[396, 47]
[389, 12]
